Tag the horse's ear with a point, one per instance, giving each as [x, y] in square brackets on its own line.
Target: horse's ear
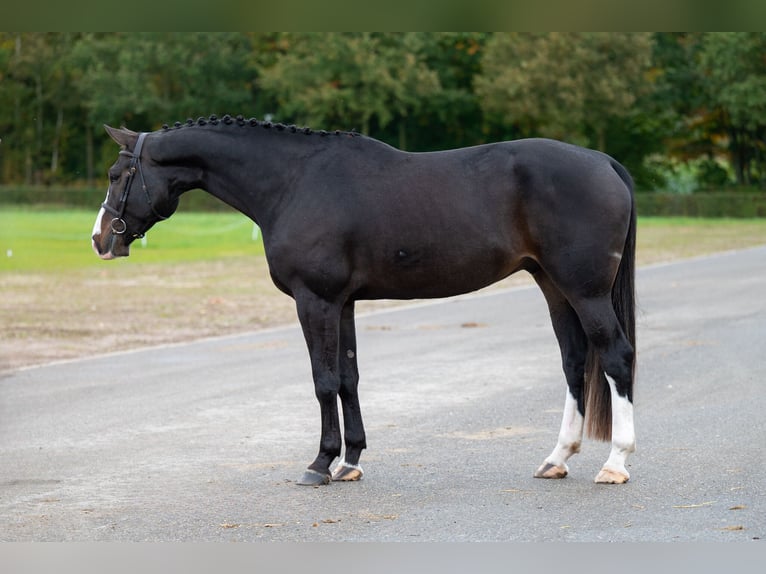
[124, 136]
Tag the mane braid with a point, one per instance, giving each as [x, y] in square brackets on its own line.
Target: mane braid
[241, 121]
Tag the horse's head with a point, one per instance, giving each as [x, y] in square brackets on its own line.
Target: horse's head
[138, 197]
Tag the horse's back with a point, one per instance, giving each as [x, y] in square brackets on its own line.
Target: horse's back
[508, 191]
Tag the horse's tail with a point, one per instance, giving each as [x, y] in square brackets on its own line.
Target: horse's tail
[598, 398]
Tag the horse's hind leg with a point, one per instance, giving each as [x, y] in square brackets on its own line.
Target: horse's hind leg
[615, 360]
[354, 437]
[573, 345]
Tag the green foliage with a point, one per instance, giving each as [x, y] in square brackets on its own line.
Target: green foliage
[671, 175]
[735, 73]
[344, 80]
[563, 84]
[152, 77]
[688, 97]
[60, 196]
[736, 76]
[49, 196]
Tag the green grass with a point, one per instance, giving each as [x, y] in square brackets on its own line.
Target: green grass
[38, 240]
[56, 240]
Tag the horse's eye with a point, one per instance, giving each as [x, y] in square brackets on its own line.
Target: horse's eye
[113, 177]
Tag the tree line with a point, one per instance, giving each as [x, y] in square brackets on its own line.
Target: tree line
[683, 111]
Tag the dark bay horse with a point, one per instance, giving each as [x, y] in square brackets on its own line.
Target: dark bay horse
[346, 217]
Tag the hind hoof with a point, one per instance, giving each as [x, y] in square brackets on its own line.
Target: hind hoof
[610, 476]
[314, 478]
[345, 472]
[548, 470]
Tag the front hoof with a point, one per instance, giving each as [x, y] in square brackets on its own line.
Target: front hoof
[345, 472]
[548, 470]
[610, 476]
[314, 478]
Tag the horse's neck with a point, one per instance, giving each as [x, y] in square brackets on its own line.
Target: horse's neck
[248, 170]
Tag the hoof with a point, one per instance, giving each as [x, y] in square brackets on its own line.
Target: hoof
[314, 478]
[609, 476]
[347, 472]
[548, 470]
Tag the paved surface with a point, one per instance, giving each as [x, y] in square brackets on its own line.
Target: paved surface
[462, 400]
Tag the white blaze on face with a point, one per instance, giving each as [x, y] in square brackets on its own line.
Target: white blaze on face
[98, 224]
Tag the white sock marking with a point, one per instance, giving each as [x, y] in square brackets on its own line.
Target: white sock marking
[570, 435]
[623, 432]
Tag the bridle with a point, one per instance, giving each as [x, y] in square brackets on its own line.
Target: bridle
[118, 224]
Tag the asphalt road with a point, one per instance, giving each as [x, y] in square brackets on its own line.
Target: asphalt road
[462, 401]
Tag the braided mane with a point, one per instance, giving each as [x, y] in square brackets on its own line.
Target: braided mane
[252, 122]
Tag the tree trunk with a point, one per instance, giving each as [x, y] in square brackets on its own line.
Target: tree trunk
[57, 141]
[601, 139]
[735, 150]
[89, 154]
[28, 166]
[38, 157]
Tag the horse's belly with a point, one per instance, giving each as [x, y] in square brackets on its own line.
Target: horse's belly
[420, 274]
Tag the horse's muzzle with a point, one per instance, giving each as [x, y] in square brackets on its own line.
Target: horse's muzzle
[109, 246]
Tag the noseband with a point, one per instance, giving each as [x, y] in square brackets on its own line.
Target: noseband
[118, 224]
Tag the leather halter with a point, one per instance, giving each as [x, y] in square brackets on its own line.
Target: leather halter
[118, 224]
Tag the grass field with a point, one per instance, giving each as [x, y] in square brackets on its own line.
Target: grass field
[200, 274]
[58, 240]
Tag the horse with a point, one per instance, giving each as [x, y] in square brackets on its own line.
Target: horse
[345, 217]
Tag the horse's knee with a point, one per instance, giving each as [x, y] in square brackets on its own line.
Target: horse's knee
[326, 389]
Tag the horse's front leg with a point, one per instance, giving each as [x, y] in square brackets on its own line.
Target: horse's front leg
[354, 437]
[320, 321]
